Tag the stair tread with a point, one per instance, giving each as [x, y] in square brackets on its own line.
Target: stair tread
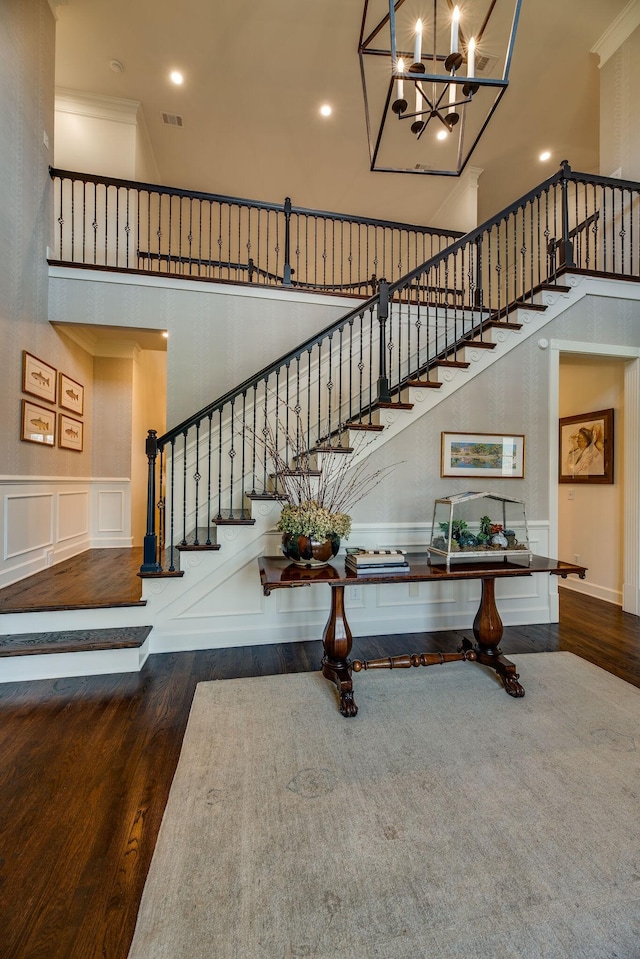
[73, 641]
[521, 305]
[481, 344]
[374, 427]
[431, 384]
[503, 324]
[556, 287]
[454, 364]
[227, 521]
[202, 534]
[330, 448]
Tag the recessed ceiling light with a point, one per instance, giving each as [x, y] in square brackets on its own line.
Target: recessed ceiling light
[546, 155]
[176, 77]
[326, 110]
[442, 135]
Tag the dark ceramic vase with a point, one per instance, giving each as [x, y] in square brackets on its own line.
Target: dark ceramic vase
[304, 551]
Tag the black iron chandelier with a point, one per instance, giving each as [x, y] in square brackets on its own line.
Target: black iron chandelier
[430, 94]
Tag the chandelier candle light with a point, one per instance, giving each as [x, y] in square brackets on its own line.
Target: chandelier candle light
[459, 69]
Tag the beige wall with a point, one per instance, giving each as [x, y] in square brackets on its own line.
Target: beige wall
[619, 120]
[26, 115]
[591, 516]
[102, 135]
[148, 406]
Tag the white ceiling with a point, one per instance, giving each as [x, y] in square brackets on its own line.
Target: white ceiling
[257, 71]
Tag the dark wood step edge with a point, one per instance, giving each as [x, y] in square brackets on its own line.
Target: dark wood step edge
[73, 641]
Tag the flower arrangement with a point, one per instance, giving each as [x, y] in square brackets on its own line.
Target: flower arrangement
[311, 519]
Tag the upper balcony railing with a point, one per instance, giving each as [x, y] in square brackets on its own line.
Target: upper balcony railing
[112, 224]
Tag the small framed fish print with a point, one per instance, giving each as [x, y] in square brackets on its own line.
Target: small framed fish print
[38, 424]
[38, 378]
[71, 395]
[70, 433]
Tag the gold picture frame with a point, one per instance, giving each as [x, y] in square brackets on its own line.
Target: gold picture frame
[482, 455]
[38, 378]
[70, 394]
[38, 424]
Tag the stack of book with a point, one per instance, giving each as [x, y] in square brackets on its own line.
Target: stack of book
[363, 561]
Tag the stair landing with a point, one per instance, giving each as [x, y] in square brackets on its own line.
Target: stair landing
[95, 581]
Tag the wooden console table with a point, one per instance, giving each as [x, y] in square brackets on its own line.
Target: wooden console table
[278, 573]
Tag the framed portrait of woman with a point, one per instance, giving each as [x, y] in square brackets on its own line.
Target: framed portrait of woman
[586, 448]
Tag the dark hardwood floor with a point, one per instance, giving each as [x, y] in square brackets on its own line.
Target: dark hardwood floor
[95, 578]
[86, 765]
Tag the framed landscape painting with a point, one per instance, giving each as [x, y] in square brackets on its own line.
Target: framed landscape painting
[38, 378]
[482, 455]
[71, 433]
[71, 395]
[586, 448]
[38, 424]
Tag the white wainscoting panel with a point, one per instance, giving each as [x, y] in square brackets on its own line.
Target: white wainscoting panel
[28, 523]
[73, 514]
[110, 511]
[46, 519]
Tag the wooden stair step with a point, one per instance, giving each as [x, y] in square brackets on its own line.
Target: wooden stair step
[330, 448]
[452, 364]
[372, 427]
[430, 384]
[257, 497]
[232, 521]
[378, 405]
[480, 344]
[73, 641]
[555, 287]
[520, 305]
[201, 535]
[502, 325]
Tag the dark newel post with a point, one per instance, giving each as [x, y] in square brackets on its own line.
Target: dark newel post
[477, 294]
[383, 314]
[150, 563]
[566, 246]
[286, 277]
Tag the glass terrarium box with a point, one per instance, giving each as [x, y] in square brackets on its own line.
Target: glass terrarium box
[478, 526]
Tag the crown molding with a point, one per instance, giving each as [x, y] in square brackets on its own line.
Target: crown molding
[617, 32]
[93, 105]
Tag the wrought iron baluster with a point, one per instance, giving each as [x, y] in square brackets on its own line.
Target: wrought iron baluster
[219, 516]
[210, 418]
[254, 439]
[232, 455]
[329, 387]
[162, 503]
[127, 229]
[265, 434]
[308, 442]
[288, 452]
[340, 373]
[196, 479]
[172, 506]
[243, 434]
[95, 223]
[184, 492]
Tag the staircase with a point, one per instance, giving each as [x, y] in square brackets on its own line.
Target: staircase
[214, 499]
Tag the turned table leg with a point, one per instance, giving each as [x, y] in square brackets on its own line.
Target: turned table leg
[487, 629]
[337, 642]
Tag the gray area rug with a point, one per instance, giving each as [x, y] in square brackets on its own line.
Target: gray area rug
[446, 820]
